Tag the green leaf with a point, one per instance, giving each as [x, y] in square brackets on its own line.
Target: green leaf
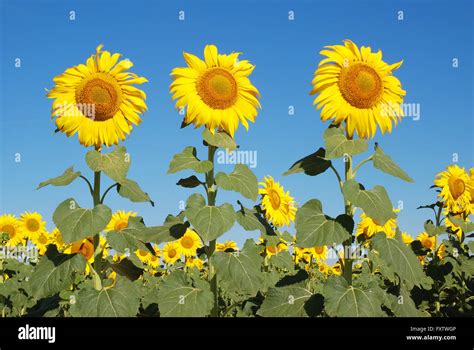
[251, 220]
[189, 182]
[291, 301]
[241, 180]
[433, 230]
[172, 229]
[210, 222]
[343, 300]
[76, 223]
[115, 164]
[181, 296]
[385, 163]
[188, 160]
[130, 189]
[465, 226]
[219, 139]
[375, 203]
[283, 260]
[403, 305]
[313, 228]
[241, 269]
[127, 268]
[121, 300]
[65, 179]
[400, 259]
[129, 238]
[311, 165]
[337, 145]
[55, 272]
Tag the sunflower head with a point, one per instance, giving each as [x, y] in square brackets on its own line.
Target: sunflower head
[228, 246]
[406, 238]
[97, 100]
[171, 252]
[356, 86]
[278, 205]
[368, 227]
[11, 227]
[455, 189]
[119, 221]
[319, 253]
[32, 224]
[427, 241]
[216, 92]
[189, 243]
[84, 247]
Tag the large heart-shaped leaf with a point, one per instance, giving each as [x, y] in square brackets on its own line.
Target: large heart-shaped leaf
[337, 144]
[130, 189]
[65, 179]
[219, 139]
[188, 160]
[115, 164]
[385, 163]
[76, 223]
[241, 180]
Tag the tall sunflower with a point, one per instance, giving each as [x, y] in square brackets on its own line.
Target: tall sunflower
[216, 92]
[455, 185]
[119, 221]
[98, 100]
[10, 225]
[189, 243]
[278, 205]
[32, 224]
[356, 86]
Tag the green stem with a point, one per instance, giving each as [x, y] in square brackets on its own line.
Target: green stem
[107, 191]
[97, 251]
[211, 200]
[362, 163]
[347, 267]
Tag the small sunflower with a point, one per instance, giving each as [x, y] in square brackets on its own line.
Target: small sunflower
[275, 249]
[84, 247]
[471, 182]
[217, 91]
[41, 241]
[368, 227]
[324, 268]
[427, 241]
[171, 252]
[336, 269]
[356, 86]
[455, 227]
[301, 254]
[441, 251]
[194, 262]
[278, 205]
[32, 224]
[57, 239]
[119, 220]
[154, 260]
[189, 243]
[10, 225]
[406, 238]
[320, 252]
[98, 100]
[143, 255]
[227, 246]
[455, 185]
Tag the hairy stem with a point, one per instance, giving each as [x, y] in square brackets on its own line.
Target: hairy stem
[97, 201]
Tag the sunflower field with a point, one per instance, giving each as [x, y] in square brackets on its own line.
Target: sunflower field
[96, 262]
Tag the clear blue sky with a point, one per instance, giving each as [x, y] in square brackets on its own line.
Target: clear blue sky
[285, 53]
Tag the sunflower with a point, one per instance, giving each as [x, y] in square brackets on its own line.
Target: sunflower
[228, 246]
[301, 254]
[275, 249]
[119, 221]
[278, 205]
[143, 255]
[41, 241]
[320, 253]
[441, 251]
[406, 238]
[189, 243]
[324, 268]
[98, 100]
[194, 262]
[368, 227]
[336, 269]
[356, 86]
[471, 182]
[32, 224]
[427, 241]
[84, 247]
[171, 252]
[455, 185]
[217, 91]
[10, 225]
[57, 239]
[453, 226]
[154, 260]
